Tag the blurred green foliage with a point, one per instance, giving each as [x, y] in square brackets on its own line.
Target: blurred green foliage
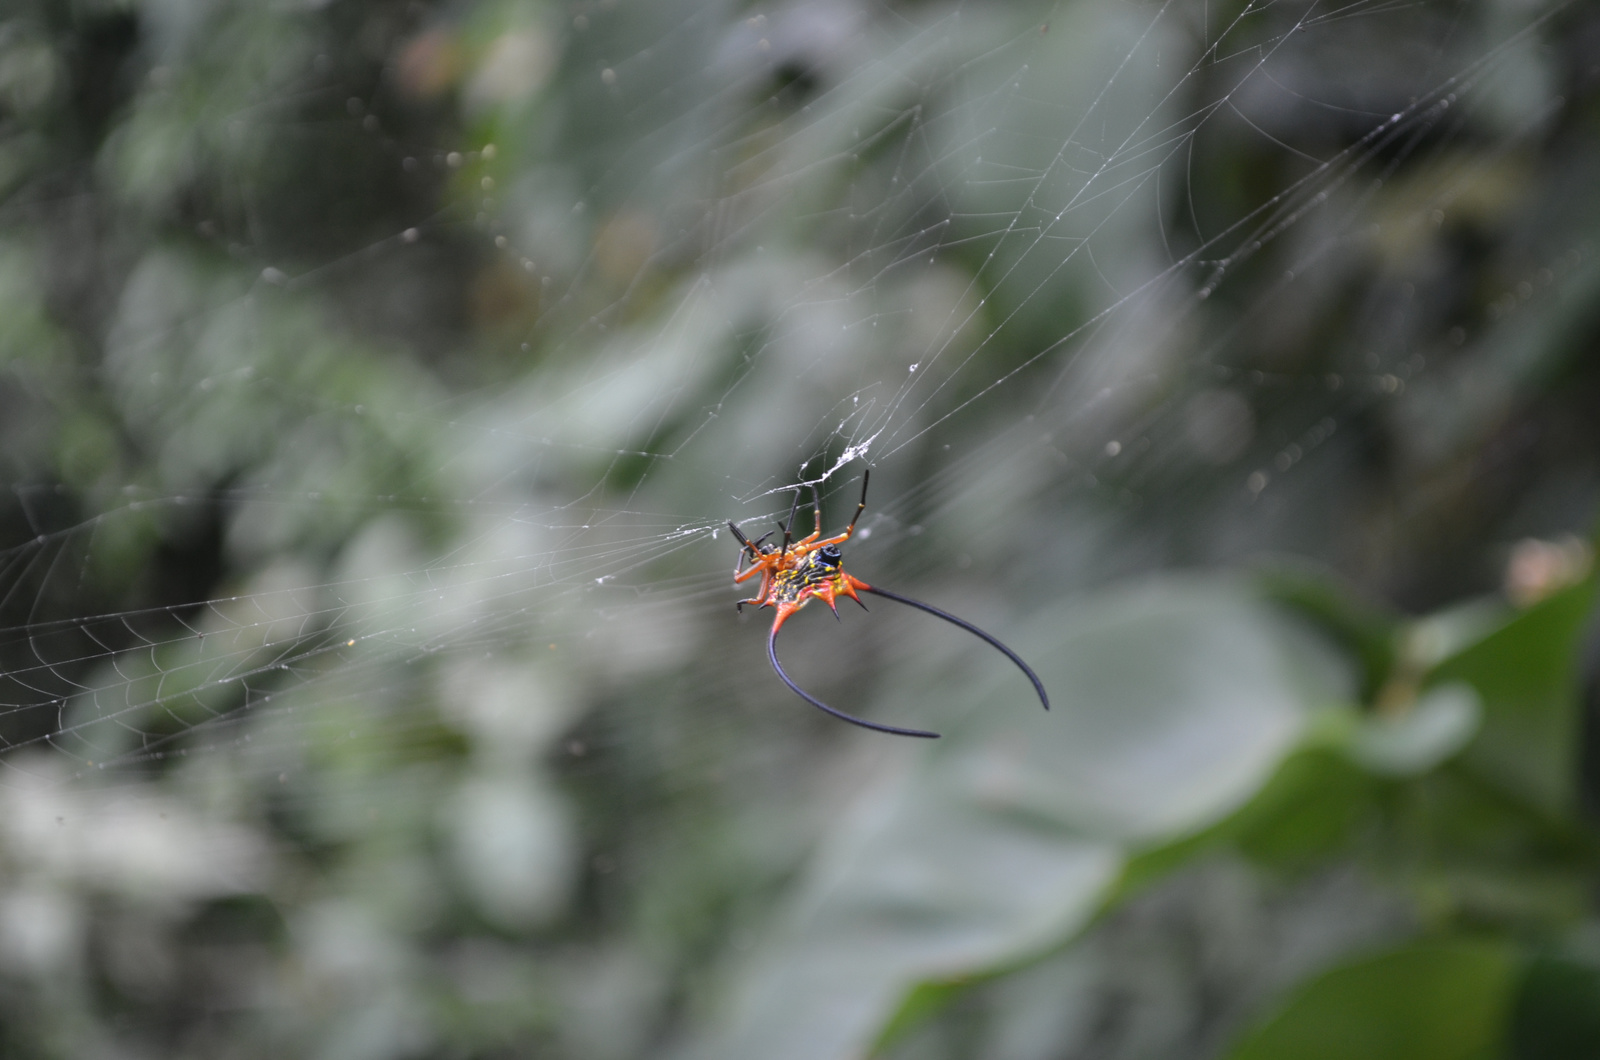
[376, 378]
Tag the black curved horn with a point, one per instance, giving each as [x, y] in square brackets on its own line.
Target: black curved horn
[772, 654]
[1038, 685]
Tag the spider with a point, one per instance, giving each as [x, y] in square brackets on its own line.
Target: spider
[811, 569]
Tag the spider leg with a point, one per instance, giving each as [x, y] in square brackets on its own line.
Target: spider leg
[861, 505]
[746, 548]
[1038, 685]
[763, 591]
[772, 654]
[738, 564]
[786, 526]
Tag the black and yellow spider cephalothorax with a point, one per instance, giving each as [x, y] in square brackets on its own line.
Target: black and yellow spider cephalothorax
[797, 572]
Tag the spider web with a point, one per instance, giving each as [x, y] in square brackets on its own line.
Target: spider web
[295, 544]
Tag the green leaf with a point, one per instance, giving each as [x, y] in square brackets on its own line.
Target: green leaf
[1525, 673]
[1429, 1001]
[1312, 808]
